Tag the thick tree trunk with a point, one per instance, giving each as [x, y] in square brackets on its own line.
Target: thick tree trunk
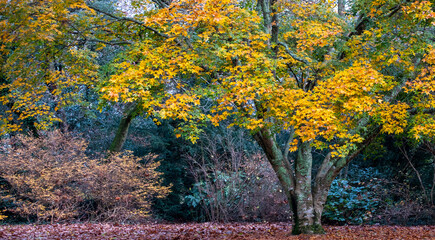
[309, 209]
[306, 208]
[124, 124]
[306, 197]
[321, 188]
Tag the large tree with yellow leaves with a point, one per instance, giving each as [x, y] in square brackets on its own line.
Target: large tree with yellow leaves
[331, 80]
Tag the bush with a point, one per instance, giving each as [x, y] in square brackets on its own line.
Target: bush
[350, 202]
[402, 204]
[51, 179]
[232, 185]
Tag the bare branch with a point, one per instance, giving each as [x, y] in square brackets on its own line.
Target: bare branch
[405, 154]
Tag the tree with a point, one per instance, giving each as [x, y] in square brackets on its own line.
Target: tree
[43, 59]
[331, 81]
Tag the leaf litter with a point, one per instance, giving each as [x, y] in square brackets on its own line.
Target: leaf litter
[192, 231]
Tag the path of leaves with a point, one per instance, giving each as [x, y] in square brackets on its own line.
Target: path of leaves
[256, 231]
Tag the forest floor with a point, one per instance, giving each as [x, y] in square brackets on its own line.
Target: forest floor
[256, 231]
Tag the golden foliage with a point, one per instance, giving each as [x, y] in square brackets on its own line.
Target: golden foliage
[40, 59]
[321, 73]
[301, 81]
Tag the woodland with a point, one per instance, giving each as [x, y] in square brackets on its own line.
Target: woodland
[217, 119]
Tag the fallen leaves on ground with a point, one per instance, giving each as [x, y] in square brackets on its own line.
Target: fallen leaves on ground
[257, 231]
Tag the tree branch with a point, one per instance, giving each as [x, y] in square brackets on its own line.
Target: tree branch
[330, 168]
[414, 111]
[289, 141]
[396, 90]
[161, 4]
[112, 43]
[293, 55]
[129, 20]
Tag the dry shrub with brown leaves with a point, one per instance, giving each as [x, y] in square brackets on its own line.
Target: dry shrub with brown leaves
[52, 179]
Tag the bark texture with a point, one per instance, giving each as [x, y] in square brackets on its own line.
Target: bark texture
[124, 125]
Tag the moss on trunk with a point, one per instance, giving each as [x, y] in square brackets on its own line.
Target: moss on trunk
[124, 124]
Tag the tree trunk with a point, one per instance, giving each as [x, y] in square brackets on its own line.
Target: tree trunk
[306, 197]
[307, 210]
[341, 7]
[121, 133]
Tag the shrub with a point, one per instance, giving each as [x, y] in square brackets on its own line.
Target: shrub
[350, 202]
[402, 204]
[232, 185]
[52, 179]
